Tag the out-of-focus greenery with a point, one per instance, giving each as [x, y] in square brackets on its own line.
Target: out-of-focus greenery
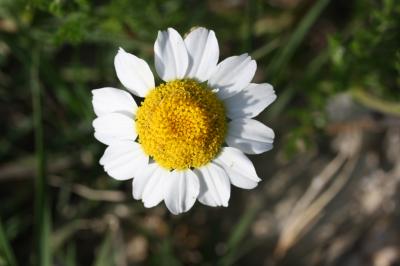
[52, 53]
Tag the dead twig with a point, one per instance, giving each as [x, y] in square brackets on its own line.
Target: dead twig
[90, 193]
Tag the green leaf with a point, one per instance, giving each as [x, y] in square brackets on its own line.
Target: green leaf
[6, 252]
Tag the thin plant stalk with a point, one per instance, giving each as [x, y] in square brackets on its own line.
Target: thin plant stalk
[42, 210]
[5, 248]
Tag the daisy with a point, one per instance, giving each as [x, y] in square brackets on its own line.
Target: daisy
[188, 138]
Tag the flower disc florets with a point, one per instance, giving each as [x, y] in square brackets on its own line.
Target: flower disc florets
[181, 124]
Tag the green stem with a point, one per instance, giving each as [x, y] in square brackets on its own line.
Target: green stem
[375, 103]
[239, 232]
[248, 20]
[5, 249]
[42, 211]
[280, 61]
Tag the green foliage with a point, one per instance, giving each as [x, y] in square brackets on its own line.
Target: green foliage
[364, 55]
[369, 56]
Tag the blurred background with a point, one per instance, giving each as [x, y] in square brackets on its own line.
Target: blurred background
[330, 189]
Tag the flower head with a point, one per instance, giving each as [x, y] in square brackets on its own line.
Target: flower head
[187, 139]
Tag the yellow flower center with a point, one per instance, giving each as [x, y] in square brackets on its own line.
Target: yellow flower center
[181, 124]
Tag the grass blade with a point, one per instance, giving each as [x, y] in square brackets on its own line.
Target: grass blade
[282, 58]
[42, 210]
[5, 248]
[238, 235]
[104, 256]
[70, 258]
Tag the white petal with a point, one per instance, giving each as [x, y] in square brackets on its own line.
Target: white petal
[141, 180]
[215, 188]
[123, 159]
[134, 73]
[203, 50]
[109, 100]
[239, 168]
[250, 136]
[182, 191]
[150, 185]
[251, 101]
[171, 57]
[114, 126]
[232, 75]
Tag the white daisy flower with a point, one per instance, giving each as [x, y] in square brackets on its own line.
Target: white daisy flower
[187, 139]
